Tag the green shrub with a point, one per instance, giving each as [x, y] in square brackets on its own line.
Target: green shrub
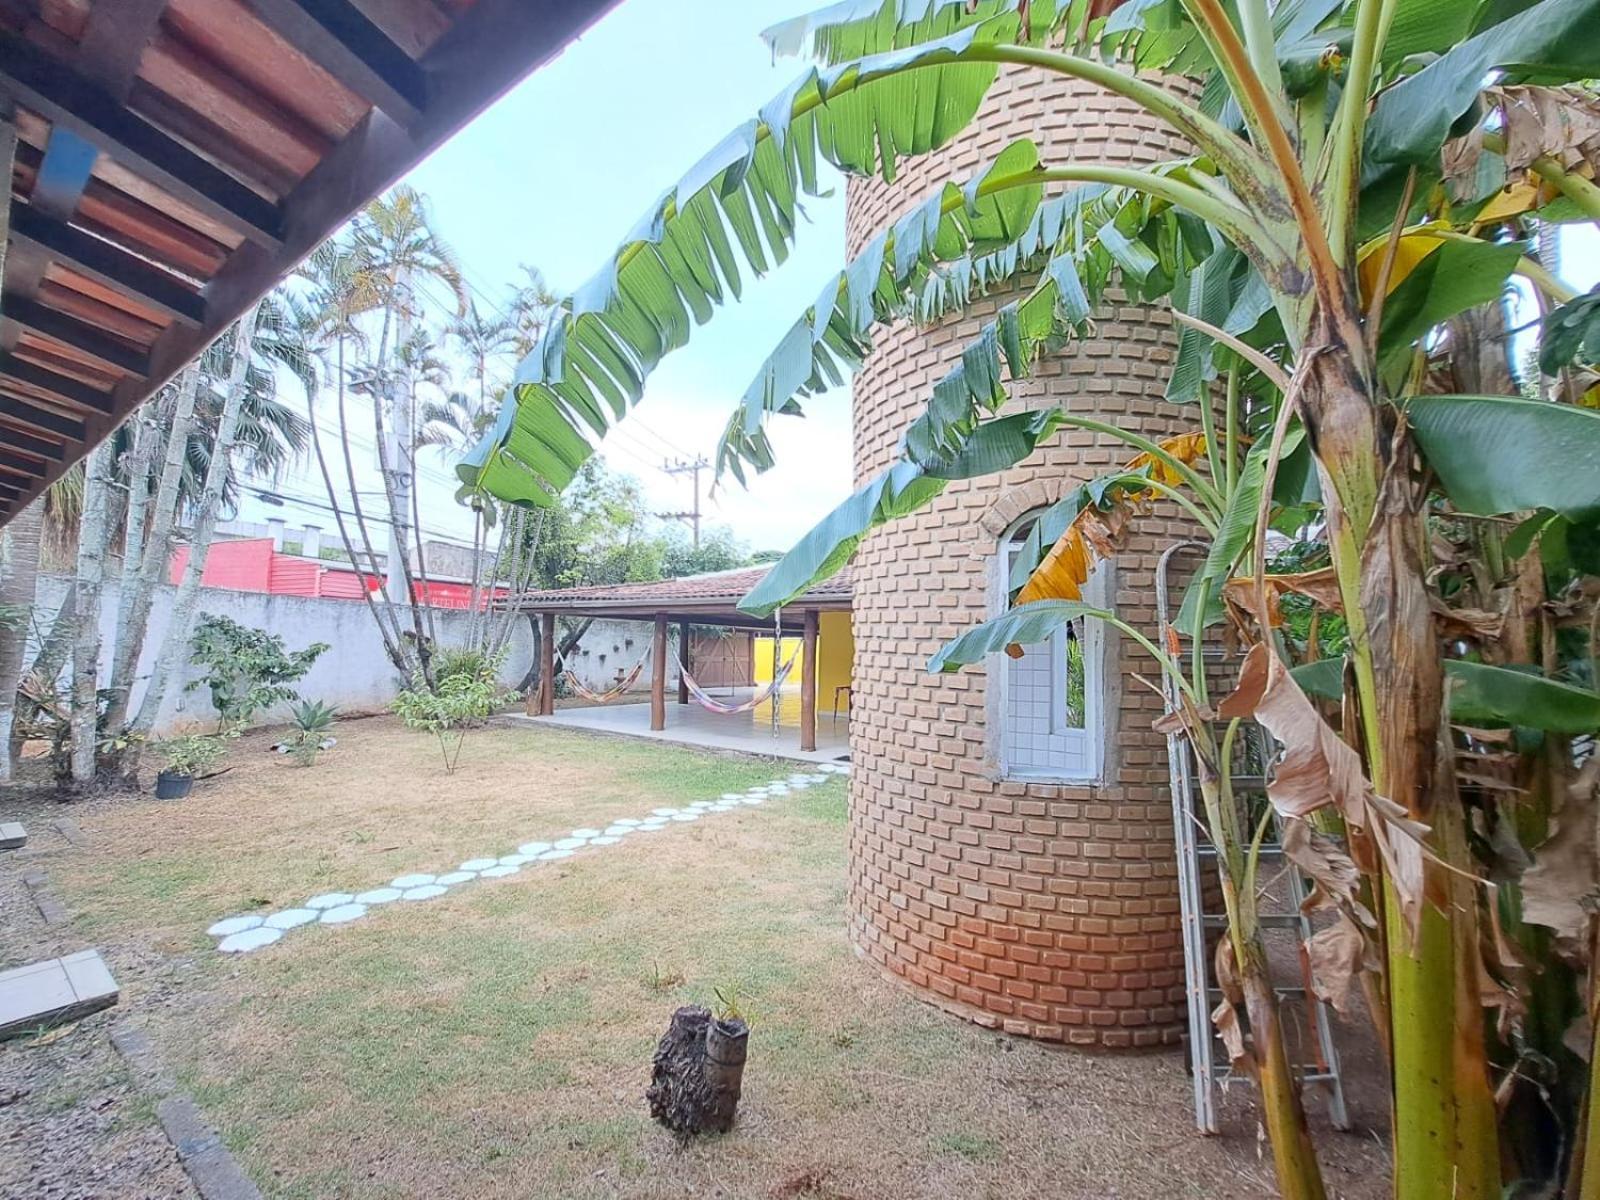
[190, 754]
[457, 703]
[247, 669]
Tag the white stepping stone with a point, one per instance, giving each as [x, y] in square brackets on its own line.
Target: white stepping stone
[604, 840]
[650, 828]
[687, 816]
[730, 795]
[799, 787]
[501, 871]
[720, 807]
[423, 891]
[383, 895]
[531, 849]
[663, 812]
[627, 821]
[512, 860]
[292, 918]
[551, 855]
[405, 882]
[585, 833]
[616, 831]
[345, 912]
[571, 843]
[778, 791]
[250, 939]
[754, 800]
[232, 925]
[329, 900]
[479, 864]
[455, 877]
[702, 804]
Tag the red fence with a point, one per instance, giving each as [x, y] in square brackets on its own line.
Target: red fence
[252, 565]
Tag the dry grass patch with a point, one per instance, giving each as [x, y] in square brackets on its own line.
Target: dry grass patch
[496, 1042]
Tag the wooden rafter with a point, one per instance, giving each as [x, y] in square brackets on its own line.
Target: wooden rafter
[338, 37]
[69, 331]
[58, 92]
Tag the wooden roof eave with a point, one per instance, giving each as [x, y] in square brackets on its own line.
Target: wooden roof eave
[418, 103]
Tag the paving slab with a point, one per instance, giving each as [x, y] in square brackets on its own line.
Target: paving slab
[12, 835]
[53, 991]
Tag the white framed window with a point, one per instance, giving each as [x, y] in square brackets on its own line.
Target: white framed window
[1050, 704]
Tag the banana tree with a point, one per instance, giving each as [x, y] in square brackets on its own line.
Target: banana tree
[1345, 199]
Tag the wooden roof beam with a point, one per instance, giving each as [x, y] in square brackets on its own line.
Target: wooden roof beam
[66, 98]
[17, 464]
[70, 390]
[34, 447]
[69, 331]
[338, 37]
[15, 410]
[107, 263]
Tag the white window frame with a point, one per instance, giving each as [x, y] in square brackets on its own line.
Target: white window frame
[1090, 740]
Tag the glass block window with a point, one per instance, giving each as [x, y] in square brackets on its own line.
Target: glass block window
[1051, 699]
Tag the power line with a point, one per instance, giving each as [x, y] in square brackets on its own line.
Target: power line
[692, 469]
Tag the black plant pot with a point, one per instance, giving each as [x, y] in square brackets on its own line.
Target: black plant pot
[172, 786]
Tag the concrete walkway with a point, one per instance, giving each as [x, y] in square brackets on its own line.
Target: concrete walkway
[691, 725]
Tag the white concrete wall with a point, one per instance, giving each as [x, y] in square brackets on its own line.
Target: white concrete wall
[610, 649]
[354, 674]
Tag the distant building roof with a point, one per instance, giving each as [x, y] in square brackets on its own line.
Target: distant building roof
[709, 594]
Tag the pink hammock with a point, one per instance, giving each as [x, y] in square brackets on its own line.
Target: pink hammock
[712, 704]
[611, 693]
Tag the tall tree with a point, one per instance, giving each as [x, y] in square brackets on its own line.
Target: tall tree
[93, 536]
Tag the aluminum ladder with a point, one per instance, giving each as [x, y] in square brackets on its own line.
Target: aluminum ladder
[1194, 853]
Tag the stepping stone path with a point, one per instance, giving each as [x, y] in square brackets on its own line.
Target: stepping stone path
[246, 932]
[12, 835]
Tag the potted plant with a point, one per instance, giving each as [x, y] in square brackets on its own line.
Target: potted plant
[311, 719]
[185, 756]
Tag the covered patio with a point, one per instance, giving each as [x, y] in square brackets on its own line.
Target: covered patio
[734, 687]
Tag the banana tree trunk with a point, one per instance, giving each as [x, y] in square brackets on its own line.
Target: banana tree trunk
[1444, 1117]
[19, 572]
[175, 640]
[93, 534]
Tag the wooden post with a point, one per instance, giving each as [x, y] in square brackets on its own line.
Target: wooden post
[683, 661]
[658, 676]
[808, 683]
[547, 664]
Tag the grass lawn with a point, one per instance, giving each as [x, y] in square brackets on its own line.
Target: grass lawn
[497, 1041]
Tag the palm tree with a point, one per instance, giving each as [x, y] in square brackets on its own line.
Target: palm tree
[484, 340]
[1329, 165]
[532, 305]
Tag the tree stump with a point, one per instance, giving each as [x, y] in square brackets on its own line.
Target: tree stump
[697, 1072]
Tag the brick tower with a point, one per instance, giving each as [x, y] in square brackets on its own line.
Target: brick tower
[1041, 906]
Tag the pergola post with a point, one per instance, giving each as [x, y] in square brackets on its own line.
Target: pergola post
[658, 676]
[683, 662]
[808, 683]
[547, 663]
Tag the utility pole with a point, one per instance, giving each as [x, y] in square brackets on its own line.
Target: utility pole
[693, 469]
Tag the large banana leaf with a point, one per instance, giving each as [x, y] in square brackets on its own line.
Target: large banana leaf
[1571, 334]
[899, 491]
[681, 261]
[1024, 625]
[1503, 454]
[856, 28]
[1449, 279]
[1413, 119]
[1484, 694]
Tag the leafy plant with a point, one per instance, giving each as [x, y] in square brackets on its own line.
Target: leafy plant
[248, 669]
[311, 720]
[458, 703]
[190, 754]
[732, 1004]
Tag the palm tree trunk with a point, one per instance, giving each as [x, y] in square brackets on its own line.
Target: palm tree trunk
[133, 599]
[93, 534]
[175, 640]
[47, 664]
[388, 624]
[142, 576]
[19, 573]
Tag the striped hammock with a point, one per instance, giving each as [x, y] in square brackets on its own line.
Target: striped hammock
[617, 689]
[711, 704]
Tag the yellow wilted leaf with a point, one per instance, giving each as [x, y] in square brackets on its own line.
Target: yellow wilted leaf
[1411, 250]
[1093, 534]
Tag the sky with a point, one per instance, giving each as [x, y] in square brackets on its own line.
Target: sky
[557, 172]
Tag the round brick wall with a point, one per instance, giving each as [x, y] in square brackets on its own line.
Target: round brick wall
[1045, 910]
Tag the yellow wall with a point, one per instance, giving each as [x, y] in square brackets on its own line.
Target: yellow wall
[836, 650]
